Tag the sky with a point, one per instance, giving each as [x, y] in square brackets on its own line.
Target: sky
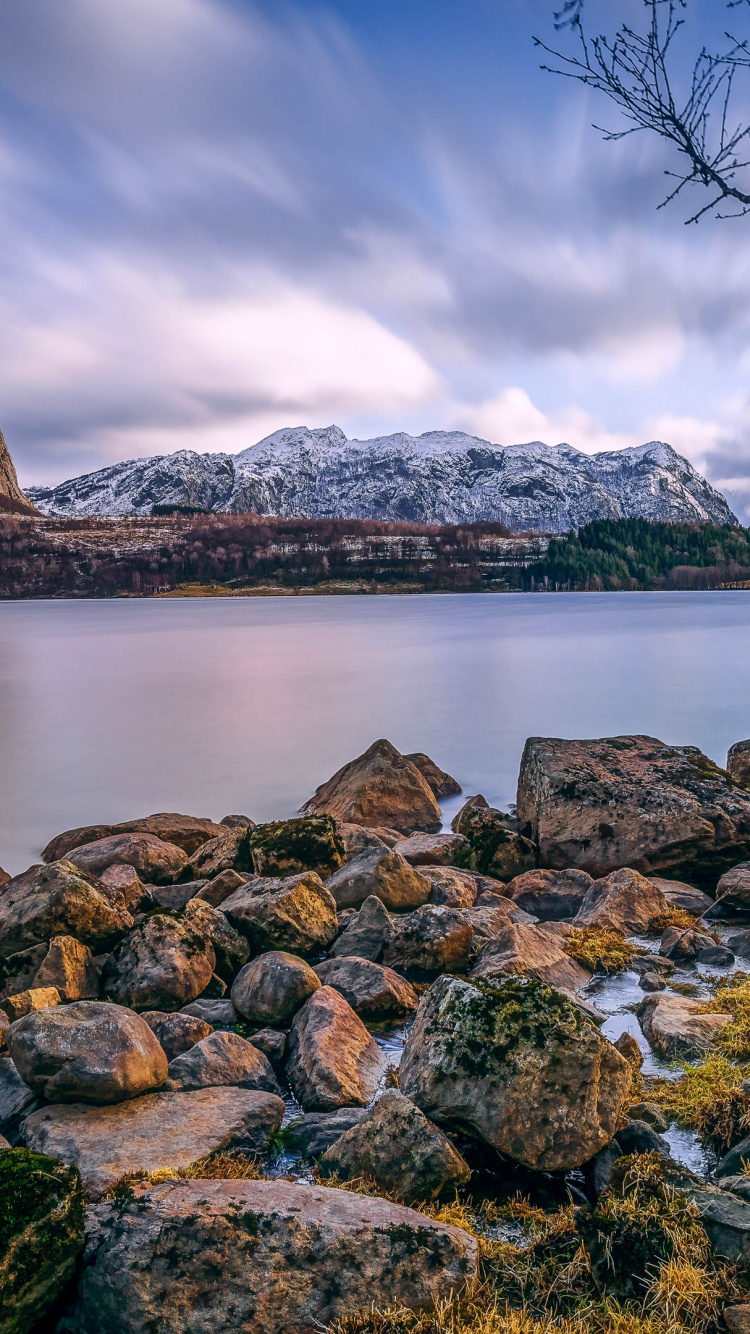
[223, 217]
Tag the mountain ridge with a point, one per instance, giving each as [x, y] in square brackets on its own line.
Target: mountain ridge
[440, 477]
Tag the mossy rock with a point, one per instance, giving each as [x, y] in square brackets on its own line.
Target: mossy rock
[288, 847]
[495, 846]
[41, 1235]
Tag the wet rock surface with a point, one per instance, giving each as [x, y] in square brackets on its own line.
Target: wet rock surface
[365, 935]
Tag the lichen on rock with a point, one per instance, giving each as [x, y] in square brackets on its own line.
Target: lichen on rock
[41, 1234]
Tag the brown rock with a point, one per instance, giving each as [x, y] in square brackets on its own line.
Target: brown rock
[69, 967]
[529, 951]
[366, 934]
[4, 877]
[374, 993]
[382, 872]
[628, 1047]
[272, 988]
[734, 887]
[674, 1025]
[316, 1256]
[622, 901]
[288, 847]
[632, 801]
[357, 837]
[471, 804]
[185, 831]
[431, 849]
[683, 946]
[229, 945]
[221, 1060]
[737, 1318]
[87, 1052]
[57, 900]
[498, 847]
[155, 1131]
[272, 1043]
[680, 895]
[331, 1060]
[26, 1002]
[552, 896]
[738, 762]
[397, 1147]
[487, 921]
[297, 914]
[176, 1033]
[519, 1067]
[155, 861]
[215, 891]
[229, 851]
[380, 787]
[427, 942]
[9, 487]
[437, 779]
[121, 885]
[160, 965]
[449, 886]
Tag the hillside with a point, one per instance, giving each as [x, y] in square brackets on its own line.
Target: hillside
[636, 554]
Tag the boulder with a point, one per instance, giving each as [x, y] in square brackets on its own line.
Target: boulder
[738, 762]
[737, 1318]
[19, 970]
[488, 921]
[382, 872]
[680, 895]
[331, 1060]
[367, 932]
[16, 1100]
[651, 982]
[222, 1059]
[552, 896]
[683, 946]
[431, 849]
[477, 802]
[497, 847]
[215, 891]
[312, 1134]
[717, 956]
[357, 837]
[287, 847]
[398, 1148]
[160, 965]
[229, 851]
[272, 1043]
[41, 1238]
[176, 1033]
[622, 901]
[56, 900]
[218, 1013]
[27, 1002]
[374, 993]
[297, 914]
[229, 946]
[272, 988]
[519, 1067]
[629, 1047]
[5, 876]
[632, 801]
[734, 887]
[427, 942]
[529, 951]
[156, 1131]
[640, 1137]
[87, 1052]
[734, 1161]
[155, 861]
[675, 1027]
[237, 822]
[739, 943]
[437, 779]
[173, 897]
[379, 788]
[264, 1257]
[449, 886]
[122, 886]
[185, 831]
[69, 967]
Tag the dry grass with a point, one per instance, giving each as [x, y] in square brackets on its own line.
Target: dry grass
[215, 1167]
[733, 997]
[600, 951]
[708, 1099]
[672, 917]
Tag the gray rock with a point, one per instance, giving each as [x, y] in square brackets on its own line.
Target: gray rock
[639, 1137]
[176, 1033]
[162, 964]
[271, 1043]
[16, 1100]
[173, 897]
[297, 914]
[450, 886]
[726, 1220]
[155, 1131]
[652, 963]
[717, 956]
[265, 1257]
[427, 942]
[222, 1059]
[217, 1013]
[57, 900]
[374, 993]
[598, 1172]
[331, 1059]
[87, 1052]
[382, 872]
[651, 982]
[551, 896]
[739, 943]
[686, 897]
[237, 822]
[431, 849]
[230, 947]
[674, 1025]
[122, 886]
[366, 934]
[733, 1162]
[400, 1149]
[312, 1134]
[651, 1114]
[155, 861]
[272, 988]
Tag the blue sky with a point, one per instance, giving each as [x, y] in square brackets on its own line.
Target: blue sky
[219, 217]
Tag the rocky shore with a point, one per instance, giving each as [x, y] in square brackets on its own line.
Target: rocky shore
[346, 1071]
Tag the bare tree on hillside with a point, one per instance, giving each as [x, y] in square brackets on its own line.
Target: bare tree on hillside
[691, 104]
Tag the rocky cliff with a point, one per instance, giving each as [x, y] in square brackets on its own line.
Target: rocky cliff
[12, 497]
[437, 478]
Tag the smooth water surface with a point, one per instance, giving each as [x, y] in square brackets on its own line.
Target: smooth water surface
[114, 709]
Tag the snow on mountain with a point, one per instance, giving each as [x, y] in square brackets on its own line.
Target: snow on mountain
[438, 477]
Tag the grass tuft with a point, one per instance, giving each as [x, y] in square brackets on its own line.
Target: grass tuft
[733, 997]
[672, 917]
[600, 951]
[708, 1099]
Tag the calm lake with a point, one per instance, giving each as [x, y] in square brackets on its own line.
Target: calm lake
[114, 709]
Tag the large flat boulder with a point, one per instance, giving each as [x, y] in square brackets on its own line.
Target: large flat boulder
[552, 896]
[264, 1257]
[162, 964]
[87, 1052]
[382, 872]
[157, 1130]
[380, 787]
[632, 801]
[331, 1059]
[674, 1026]
[186, 831]
[517, 1065]
[529, 951]
[156, 862]
[286, 847]
[297, 914]
[57, 900]
[622, 901]
[374, 993]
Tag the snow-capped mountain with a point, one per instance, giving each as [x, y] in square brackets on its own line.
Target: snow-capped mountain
[439, 477]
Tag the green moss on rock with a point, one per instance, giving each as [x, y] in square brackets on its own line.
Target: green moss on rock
[41, 1235]
[288, 847]
[495, 848]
